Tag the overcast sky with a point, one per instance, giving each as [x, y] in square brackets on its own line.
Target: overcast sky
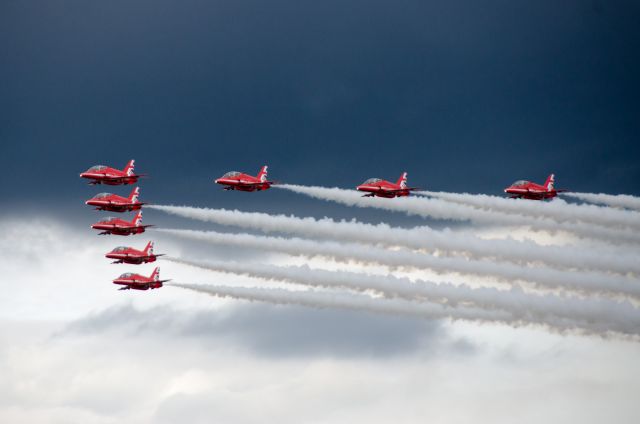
[465, 96]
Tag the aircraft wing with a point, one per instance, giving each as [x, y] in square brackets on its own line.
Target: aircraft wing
[398, 190]
[250, 184]
[124, 177]
[133, 283]
[106, 178]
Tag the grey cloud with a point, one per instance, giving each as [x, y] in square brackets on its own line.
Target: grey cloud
[277, 331]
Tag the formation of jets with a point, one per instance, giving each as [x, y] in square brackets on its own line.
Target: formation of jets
[100, 174]
[377, 187]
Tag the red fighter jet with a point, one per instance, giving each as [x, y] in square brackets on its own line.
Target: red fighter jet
[115, 203]
[235, 180]
[129, 255]
[382, 188]
[139, 282]
[120, 226]
[527, 190]
[100, 174]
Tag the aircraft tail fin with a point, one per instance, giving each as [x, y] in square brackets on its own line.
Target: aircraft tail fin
[155, 275]
[262, 175]
[137, 220]
[548, 185]
[133, 197]
[149, 249]
[402, 181]
[129, 168]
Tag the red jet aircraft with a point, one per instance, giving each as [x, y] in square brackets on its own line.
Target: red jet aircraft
[238, 181]
[382, 188]
[129, 255]
[120, 226]
[140, 282]
[527, 190]
[115, 203]
[100, 174]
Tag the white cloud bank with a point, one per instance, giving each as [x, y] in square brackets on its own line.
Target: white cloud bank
[75, 350]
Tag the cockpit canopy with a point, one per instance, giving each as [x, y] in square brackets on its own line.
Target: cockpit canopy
[97, 168]
[520, 183]
[109, 218]
[372, 181]
[127, 275]
[101, 195]
[120, 249]
[231, 174]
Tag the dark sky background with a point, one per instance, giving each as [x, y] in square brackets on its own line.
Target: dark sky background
[464, 95]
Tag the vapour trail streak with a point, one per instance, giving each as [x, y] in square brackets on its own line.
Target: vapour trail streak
[596, 316]
[418, 238]
[440, 209]
[541, 277]
[617, 200]
[557, 209]
[354, 302]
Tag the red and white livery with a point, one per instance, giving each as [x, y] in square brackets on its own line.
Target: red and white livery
[121, 227]
[129, 255]
[382, 188]
[523, 189]
[114, 203]
[101, 174]
[139, 282]
[235, 180]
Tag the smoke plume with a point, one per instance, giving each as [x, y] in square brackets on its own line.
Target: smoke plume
[422, 238]
[541, 277]
[594, 315]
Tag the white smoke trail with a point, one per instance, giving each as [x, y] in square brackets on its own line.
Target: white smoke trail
[584, 282]
[440, 209]
[423, 238]
[349, 301]
[616, 200]
[595, 315]
[558, 210]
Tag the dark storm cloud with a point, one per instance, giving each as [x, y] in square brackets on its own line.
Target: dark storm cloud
[464, 95]
[279, 331]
